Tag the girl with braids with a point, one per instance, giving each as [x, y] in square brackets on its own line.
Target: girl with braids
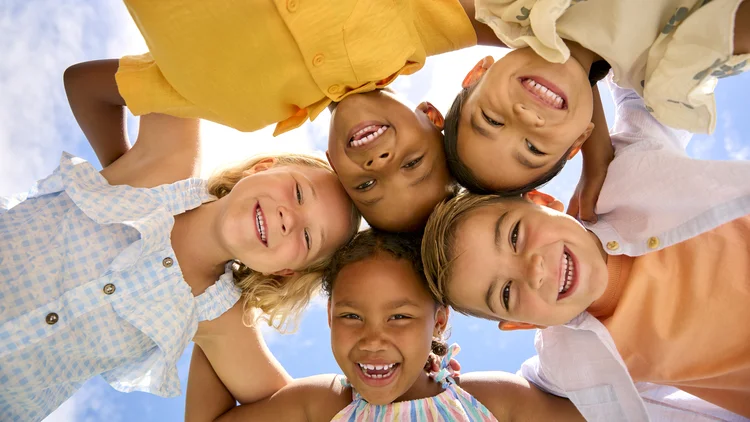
[113, 273]
[384, 325]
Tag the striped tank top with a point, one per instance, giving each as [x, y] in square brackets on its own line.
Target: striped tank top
[453, 404]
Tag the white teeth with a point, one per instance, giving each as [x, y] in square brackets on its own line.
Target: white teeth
[367, 367]
[566, 273]
[374, 132]
[544, 93]
[260, 224]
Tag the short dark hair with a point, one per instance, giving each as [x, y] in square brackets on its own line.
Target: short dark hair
[463, 174]
[368, 243]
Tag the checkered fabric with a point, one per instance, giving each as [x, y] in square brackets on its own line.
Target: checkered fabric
[89, 285]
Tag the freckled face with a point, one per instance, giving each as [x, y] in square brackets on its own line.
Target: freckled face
[520, 262]
[286, 217]
[524, 115]
[382, 321]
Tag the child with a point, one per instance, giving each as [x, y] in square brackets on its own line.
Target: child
[384, 323]
[387, 154]
[114, 273]
[661, 278]
[517, 121]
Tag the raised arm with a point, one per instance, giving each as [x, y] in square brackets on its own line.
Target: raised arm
[512, 398]
[98, 107]
[240, 357]
[597, 153]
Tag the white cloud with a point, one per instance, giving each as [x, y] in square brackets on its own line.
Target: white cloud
[734, 147]
[89, 404]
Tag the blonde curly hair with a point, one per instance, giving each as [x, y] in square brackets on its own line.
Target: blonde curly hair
[280, 298]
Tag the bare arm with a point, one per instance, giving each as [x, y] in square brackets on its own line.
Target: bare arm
[206, 398]
[597, 154]
[240, 357]
[98, 107]
[512, 398]
[485, 34]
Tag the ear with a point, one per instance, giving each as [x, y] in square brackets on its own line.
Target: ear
[441, 320]
[435, 116]
[513, 326]
[581, 139]
[328, 157]
[476, 73]
[329, 313]
[545, 200]
[260, 166]
[286, 272]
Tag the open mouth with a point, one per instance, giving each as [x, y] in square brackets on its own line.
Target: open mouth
[260, 225]
[545, 92]
[378, 375]
[366, 135]
[568, 275]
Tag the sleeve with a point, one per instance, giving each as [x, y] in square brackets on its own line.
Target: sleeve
[669, 403]
[146, 90]
[634, 124]
[532, 371]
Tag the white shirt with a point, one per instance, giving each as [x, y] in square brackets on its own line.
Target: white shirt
[654, 196]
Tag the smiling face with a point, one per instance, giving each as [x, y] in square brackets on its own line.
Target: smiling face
[522, 118]
[285, 217]
[382, 320]
[521, 262]
[389, 157]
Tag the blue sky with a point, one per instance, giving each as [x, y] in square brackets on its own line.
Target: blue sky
[42, 37]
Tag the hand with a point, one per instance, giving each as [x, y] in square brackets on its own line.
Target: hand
[433, 366]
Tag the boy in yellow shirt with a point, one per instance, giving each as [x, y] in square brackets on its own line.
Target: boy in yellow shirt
[251, 63]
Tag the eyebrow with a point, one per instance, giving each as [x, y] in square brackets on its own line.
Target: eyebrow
[498, 228]
[322, 239]
[526, 163]
[478, 129]
[400, 303]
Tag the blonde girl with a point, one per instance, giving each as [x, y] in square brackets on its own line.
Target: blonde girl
[113, 273]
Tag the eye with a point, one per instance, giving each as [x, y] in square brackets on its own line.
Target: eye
[400, 316]
[491, 121]
[413, 163]
[514, 236]
[506, 295]
[533, 149]
[366, 186]
[349, 316]
[299, 193]
[308, 241]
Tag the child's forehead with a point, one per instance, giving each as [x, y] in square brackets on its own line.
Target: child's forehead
[376, 274]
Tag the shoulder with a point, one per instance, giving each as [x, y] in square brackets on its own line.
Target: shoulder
[511, 398]
[323, 395]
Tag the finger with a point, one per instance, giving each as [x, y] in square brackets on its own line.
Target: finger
[455, 365]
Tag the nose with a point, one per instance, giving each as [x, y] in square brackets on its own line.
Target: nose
[527, 115]
[372, 340]
[288, 219]
[534, 271]
[379, 159]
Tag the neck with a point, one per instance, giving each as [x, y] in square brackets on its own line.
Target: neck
[485, 34]
[198, 250]
[422, 388]
[582, 55]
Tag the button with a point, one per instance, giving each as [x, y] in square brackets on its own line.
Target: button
[52, 318]
[109, 288]
[334, 89]
[167, 262]
[612, 245]
[291, 5]
[318, 60]
[653, 242]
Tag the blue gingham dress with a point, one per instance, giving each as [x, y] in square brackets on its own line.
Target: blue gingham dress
[89, 285]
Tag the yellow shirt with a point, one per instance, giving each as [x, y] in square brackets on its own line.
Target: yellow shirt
[251, 63]
[681, 316]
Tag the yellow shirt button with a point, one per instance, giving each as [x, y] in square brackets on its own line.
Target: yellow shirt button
[318, 60]
[167, 262]
[334, 89]
[292, 5]
[51, 318]
[612, 245]
[109, 288]
[653, 242]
